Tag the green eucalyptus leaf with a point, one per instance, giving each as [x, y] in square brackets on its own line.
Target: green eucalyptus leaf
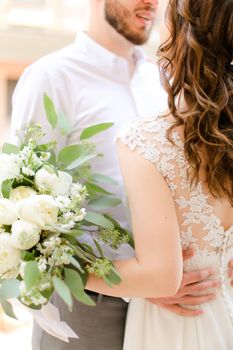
[80, 161]
[64, 124]
[104, 179]
[63, 291]
[94, 129]
[9, 289]
[69, 154]
[9, 148]
[6, 188]
[75, 284]
[103, 203]
[98, 219]
[53, 158]
[50, 111]
[107, 281]
[31, 274]
[8, 309]
[75, 263]
[95, 188]
[114, 276]
[100, 250]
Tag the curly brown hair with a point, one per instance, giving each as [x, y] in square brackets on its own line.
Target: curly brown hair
[196, 63]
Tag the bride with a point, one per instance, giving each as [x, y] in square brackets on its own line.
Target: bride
[178, 172]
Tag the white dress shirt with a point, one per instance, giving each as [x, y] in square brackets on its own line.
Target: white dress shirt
[90, 85]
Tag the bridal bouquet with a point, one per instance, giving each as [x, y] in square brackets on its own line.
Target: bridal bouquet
[47, 202]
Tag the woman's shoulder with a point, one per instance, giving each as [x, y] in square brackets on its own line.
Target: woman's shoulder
[144, 131]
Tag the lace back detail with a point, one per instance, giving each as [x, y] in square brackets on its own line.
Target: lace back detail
[199, 226]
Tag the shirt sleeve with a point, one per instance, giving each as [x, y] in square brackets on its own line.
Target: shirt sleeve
[28, 106]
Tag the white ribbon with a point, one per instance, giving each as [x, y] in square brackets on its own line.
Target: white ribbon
[48, 319]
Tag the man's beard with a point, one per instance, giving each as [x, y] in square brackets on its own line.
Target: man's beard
[117, 16]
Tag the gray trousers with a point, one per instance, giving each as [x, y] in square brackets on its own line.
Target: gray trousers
[100, 327]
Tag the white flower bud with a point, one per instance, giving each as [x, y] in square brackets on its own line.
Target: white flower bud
[9, 167]
[25, 235]
[21, 192]
[47, 181]
[9, 255]
[8, 212]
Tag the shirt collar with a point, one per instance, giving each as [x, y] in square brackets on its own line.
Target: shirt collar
[101, 56]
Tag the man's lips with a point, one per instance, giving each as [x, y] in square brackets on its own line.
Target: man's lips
[146, 14]
[145, 17]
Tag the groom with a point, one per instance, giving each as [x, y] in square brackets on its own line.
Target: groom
[102, 76]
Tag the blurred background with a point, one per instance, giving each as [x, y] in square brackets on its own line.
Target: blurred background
[30, 29]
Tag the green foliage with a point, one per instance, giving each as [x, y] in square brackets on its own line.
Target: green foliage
[31, 274]
[103, 203]
[76, 264]
[112, 277]
[94, 129]
[64, 124]
[121, 230]
[100, 250]
[63, 290]
[104, 179]
[80, 161]
[6, 188]
[8, 309]
[98, 219]
[27, 256]
[69, 154]
[9, 289]
[50, 111]
[92, 188]
[45, 147]
[9, 148]
[113, 238]
[75, 284]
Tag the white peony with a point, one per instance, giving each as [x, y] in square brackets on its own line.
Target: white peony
[9, 167]
[9, 256]
[25, 235]
[8, 212]
[47, 181]
[21, 192]
[41, 210]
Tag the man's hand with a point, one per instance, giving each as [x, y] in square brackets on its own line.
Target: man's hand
[195, 282]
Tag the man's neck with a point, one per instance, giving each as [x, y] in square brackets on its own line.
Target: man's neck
[111, 40]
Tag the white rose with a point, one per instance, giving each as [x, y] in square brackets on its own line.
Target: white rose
[9, 167]
[9, 255]
[21, 192]
[8, 212]
[47, 180]
[41, 210]
[25, 235]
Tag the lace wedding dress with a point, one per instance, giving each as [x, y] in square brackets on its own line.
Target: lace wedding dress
[150, 327]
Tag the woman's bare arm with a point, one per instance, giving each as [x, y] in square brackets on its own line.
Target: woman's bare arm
[157, 268]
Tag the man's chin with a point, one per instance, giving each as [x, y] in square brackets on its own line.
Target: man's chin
[138, 39]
